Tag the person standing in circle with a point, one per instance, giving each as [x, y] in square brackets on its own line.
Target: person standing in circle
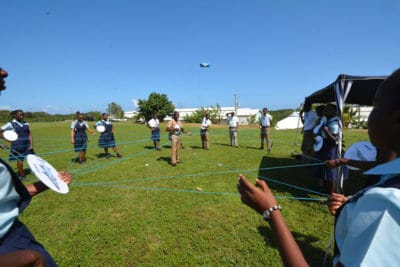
[154, 125]
[205, 124]
[106, 139]
[233, 122]
[265, 126]
[79, 137]
[23, 146]
[309, 119]
[175, 128]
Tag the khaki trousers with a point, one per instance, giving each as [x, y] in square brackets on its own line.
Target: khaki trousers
[175, 145]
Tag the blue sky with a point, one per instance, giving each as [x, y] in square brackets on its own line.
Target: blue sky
[63, 56]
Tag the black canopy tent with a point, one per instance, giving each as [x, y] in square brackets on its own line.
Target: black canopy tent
[347, 89]
[352, 90]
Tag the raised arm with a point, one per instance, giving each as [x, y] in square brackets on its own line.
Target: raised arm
[261, 200]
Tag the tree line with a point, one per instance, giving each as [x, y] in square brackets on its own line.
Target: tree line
[155, 103]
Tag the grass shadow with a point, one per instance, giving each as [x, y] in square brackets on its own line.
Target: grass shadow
[166, 159]
[311, 253]
[288, 175]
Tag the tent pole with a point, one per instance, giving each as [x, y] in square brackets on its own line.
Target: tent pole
[298, 126]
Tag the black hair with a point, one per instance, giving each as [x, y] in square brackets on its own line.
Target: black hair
[391, 85]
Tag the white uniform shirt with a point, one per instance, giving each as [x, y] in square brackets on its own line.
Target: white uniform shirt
[103, 122]
[367, 230]
[81, 123]
[154, 123]
[205, 123]
[310, 118]
[233, 121]
[266, 120]
[9, 126]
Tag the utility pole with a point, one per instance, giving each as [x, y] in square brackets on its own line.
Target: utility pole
[235, 104]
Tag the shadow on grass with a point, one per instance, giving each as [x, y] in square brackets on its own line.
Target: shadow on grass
[314, 255]
[288, 175]
[196, 147]
[292, 172]
[166, 159]
[254, 147]
[103, 155]
[221, 144]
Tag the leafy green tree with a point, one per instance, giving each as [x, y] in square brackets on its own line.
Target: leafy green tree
[5, 115]
[196, 116]
[115, 110]
[156, 102]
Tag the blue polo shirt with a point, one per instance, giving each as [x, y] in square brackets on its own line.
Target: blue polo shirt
[367, 231]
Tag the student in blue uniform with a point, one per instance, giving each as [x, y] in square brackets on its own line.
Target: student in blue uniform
[367, 226]
[23, 146]
[154, 125]
[18, 247]
[107, 139]
[79, 137]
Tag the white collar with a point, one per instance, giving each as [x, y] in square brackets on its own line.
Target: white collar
[391, 167]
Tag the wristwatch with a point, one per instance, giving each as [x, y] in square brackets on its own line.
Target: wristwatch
[267, 213]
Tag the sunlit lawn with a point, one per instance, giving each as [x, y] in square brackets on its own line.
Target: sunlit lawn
[138, 210]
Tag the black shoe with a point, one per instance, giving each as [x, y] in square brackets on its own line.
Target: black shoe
[118, 155]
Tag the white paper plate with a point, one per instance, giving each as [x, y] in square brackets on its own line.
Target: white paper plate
[10, 135]
[47, 174]
[101, 128]
[363, 151]
[318, 142]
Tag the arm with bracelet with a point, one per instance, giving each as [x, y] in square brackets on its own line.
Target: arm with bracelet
[262, 201]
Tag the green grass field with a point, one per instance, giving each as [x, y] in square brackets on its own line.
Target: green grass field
[138, 210]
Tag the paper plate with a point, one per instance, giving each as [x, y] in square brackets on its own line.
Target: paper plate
[101, 128]
[318, 142]
[47, 174]
[10, 135]
[363, 151]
